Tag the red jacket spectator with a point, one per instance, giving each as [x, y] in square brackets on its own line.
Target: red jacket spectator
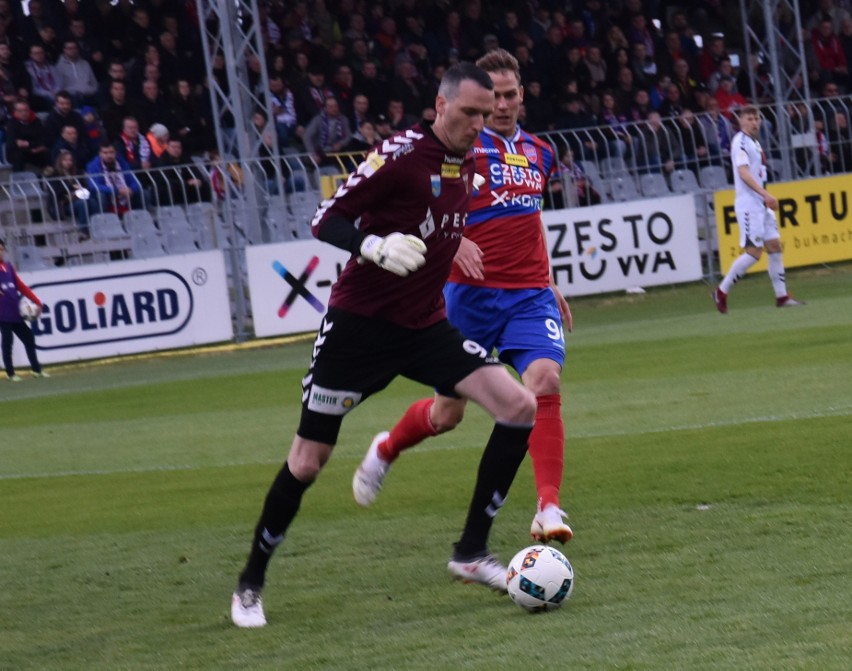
[828, 49]
[728, 98]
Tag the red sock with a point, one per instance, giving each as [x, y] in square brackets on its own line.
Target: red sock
[414, 426]
[547, 449]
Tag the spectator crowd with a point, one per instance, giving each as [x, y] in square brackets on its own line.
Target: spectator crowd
[85, 79]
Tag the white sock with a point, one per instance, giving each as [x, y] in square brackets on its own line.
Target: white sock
[776, 274]
[738, 270]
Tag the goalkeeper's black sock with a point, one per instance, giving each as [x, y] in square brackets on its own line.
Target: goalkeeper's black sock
[279, 509]
[500, 462]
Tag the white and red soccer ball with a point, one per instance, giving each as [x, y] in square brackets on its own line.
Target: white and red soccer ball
[540, 578]
[27, 308]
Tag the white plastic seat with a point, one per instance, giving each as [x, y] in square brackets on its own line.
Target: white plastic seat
[31, 258]
[203, 221]
[140, 221]
[613, 166]
[180, 241]
[303, 206]
[684, 181]
[775, 167]
[169, 212]
[623, 189]
[26, 184]
[653, 185]
[591, 170]
[200, 214]
[278, 221]
[105, 226]
[247, 222]
[146, 246]
[713, 177]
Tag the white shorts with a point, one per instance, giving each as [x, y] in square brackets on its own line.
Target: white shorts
[757, 226]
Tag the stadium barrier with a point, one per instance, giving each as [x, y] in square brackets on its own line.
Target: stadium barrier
[238, 204]
[105, 310]
[813, 216]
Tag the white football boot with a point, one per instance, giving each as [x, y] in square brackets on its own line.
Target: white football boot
[485, 570]
[548, 525]
[370, 474]
[247, 608]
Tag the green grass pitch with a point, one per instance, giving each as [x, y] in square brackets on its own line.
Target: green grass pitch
[708, 479]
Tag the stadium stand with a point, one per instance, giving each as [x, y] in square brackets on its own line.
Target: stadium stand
[312, 54]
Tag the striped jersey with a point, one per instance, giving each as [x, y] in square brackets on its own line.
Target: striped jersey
[505, 215]
[745, 150]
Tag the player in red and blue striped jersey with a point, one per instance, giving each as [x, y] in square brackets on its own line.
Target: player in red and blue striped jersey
[500, 294]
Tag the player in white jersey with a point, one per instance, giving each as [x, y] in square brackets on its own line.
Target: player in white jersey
[754, 207]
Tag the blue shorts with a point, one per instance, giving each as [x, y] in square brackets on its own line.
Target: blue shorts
[522, 324]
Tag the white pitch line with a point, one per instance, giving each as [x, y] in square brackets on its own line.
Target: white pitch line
[817, 414]
[826, 412]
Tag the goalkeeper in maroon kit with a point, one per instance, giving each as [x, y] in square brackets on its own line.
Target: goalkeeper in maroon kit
[387, 317]
[500, 294]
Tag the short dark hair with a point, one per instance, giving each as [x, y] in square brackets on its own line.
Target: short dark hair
[460, 72]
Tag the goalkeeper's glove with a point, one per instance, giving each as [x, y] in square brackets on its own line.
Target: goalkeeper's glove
[397, 253]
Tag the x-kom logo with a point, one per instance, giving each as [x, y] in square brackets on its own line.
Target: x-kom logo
[298, 286]
[500, 198]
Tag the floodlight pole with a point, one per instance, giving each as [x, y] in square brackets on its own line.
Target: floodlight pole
[230, 31]
[788, 69]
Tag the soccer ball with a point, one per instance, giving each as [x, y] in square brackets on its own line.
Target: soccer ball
[27, 308]
[540, 578]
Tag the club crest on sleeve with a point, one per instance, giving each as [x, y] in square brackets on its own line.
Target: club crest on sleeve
[436, 185]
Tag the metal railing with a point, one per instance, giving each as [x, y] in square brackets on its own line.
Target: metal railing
[49, 222]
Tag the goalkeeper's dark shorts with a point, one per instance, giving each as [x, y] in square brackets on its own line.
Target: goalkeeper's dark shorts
[356, 356]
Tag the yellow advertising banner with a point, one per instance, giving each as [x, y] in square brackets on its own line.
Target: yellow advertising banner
[814, 219]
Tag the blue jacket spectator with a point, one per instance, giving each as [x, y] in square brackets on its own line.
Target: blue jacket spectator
[116, 188]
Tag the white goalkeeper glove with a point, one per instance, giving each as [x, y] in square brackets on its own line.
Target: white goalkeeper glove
[397, 253]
